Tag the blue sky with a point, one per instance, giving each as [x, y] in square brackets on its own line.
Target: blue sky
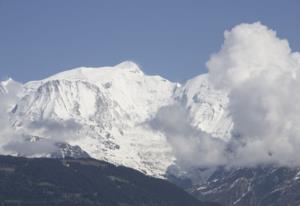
[167, 37]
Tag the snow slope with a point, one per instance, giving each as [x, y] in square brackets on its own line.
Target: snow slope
[207, 107]
[105, 111]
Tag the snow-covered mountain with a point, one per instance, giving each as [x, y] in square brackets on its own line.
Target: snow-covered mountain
[106, 112]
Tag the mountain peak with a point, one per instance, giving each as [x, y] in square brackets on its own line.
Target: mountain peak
[129, 65]
[9, 82]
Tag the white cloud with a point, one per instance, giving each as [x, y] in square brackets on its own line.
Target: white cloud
[60, 130]
[261, 75]
[192, 147]
[22, 146]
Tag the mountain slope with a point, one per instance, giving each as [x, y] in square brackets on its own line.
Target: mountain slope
[84, 182]
[207, 107]
[259, 186]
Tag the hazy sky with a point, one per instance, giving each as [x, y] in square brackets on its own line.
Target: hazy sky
[166, 37]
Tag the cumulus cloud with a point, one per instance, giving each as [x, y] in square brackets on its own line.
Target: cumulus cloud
[261, 75]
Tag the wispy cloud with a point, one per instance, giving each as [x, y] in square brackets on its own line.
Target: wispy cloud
[61, 130]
